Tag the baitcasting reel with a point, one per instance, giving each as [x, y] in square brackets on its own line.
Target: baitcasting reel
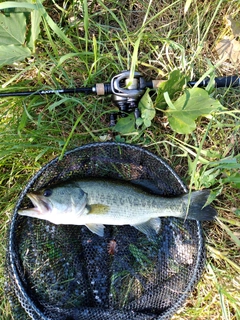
[127, 92]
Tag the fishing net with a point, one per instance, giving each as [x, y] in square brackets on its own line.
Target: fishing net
[65, 272]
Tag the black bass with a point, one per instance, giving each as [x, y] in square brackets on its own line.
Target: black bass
[101, 202]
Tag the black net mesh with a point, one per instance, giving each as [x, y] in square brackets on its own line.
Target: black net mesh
[66, 272]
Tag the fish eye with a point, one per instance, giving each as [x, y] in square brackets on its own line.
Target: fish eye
[47, 192]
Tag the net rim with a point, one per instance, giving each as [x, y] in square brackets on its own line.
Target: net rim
[12, 255]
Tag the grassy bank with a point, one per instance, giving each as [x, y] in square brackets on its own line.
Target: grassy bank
[95, 41]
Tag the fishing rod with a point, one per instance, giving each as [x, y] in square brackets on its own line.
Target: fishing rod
[114, 87]
[220, 82]
[126, 91]
[109, 88]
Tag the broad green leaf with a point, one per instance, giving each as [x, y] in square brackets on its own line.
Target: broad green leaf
[15, 27]
[12, 29]
[36, 18]
[40, 8]
[15, 4]
[186, 109]
[147, 109]
[11, 53]
[139, 122]
[181, 122]
[173, 85]
[126, 124]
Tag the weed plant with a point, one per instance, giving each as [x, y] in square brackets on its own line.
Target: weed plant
[82, 43]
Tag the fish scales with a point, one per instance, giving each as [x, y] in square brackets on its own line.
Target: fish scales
[128, 202]
[122, 195]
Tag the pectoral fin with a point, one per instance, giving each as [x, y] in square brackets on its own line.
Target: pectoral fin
[150, 228]
[96, 228]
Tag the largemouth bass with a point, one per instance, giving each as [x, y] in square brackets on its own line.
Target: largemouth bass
[101, 202]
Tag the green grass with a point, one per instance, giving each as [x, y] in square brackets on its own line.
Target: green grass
[154, 38]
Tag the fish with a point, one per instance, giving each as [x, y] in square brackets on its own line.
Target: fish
[95, 203]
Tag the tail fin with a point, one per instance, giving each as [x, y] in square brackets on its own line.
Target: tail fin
[196, 210]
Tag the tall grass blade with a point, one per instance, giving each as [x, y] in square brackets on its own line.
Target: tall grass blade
[234, 238]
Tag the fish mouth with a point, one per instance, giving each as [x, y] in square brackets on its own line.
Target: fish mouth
[40, 206]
